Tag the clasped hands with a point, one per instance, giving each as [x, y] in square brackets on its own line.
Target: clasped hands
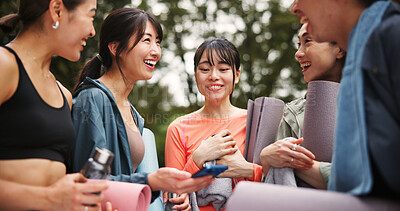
[222, 147]
[286, 154]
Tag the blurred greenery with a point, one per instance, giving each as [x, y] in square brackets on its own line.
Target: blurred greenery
[263, 31]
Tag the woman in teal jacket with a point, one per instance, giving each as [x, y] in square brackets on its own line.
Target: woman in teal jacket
[103, 117]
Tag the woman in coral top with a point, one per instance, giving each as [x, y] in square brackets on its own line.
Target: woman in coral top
[217, 130]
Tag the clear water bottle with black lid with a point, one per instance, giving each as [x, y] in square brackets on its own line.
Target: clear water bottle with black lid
[98, 167]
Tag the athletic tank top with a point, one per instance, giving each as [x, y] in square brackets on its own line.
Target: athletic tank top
[137, 147]
[30, 128]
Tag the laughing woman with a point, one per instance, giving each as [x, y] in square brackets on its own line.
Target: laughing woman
[103, 117]
[319, 61]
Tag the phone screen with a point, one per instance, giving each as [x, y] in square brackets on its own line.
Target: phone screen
[214, 170]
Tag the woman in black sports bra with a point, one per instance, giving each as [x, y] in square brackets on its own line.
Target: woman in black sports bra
[36, 131]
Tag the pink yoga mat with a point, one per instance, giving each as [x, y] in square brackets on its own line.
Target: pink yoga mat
[319, 119]
[127, 196]
[263, 118]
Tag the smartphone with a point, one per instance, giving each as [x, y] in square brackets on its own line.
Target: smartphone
[214, 170]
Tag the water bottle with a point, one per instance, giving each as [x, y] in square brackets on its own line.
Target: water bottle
[98, 167]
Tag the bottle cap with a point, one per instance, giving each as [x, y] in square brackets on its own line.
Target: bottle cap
[103, 156]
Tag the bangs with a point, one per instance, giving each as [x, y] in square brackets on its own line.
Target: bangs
[222, 54]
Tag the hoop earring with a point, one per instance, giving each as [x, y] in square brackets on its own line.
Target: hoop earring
[55, 25]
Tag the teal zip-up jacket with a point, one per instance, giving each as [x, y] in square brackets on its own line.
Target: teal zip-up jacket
[99, 123]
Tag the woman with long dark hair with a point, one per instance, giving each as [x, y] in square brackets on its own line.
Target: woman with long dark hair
[36, 132]
[129, 49]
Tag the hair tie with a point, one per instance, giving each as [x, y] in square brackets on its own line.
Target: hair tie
[100, 58]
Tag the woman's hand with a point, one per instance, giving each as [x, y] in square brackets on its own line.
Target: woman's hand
[109, 207]
[182, 201]
[72, 192]
[214, 147]
[237, 166]
[175, 181]
[285, 154]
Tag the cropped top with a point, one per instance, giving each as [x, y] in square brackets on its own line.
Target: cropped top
[30, 128]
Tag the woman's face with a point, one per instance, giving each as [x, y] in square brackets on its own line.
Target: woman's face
[317, 60]
[75, 28]
[215, 82]
[139, 63]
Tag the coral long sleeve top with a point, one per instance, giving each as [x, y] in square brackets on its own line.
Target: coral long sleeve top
[185, 134]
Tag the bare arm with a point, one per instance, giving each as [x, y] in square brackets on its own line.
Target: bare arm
[312, 176]
[69, 193]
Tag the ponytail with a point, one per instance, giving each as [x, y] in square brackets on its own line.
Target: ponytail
[92, 69]
[9, 23]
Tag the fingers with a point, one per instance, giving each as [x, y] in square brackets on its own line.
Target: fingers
[91, 207]
[294, 147]
[92, 186]
[193, 184]
[230, 143]
[298, 160]
[223, 133]
[181, 207]
[108, 206]
[296, 141]
[300, 148]
[305, 152]
[227, 151]
[77, 177]
[165, 197]
[179, 199]
[298, 164]
[91, 198]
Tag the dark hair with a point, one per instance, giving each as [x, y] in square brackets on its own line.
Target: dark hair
[224, 50]
[119, 26]
[29, 12]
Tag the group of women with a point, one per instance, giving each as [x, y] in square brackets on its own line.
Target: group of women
[39, 137]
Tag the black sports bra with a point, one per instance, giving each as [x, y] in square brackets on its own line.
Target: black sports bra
[30, 128]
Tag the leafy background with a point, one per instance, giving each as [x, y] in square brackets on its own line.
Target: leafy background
[263, 31]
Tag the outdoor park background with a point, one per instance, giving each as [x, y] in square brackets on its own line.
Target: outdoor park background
[264, 31]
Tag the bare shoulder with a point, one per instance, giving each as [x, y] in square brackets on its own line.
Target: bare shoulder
[8, 75]
[66, 93]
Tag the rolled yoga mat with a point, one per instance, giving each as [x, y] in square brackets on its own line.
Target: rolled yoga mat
[126, 196]
[319, 119]
[263, 118]
[260, 196]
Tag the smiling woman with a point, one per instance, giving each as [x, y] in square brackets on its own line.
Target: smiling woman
[36, 132]
[212, 132]
[103, 117]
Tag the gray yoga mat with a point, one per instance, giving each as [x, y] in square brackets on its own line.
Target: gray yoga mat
[263, 118]
[260, 196]
[319, 119]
